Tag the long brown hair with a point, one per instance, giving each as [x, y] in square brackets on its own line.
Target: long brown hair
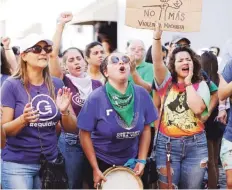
[21, 74]
[197, 77]
[5, 65]
[210, 66]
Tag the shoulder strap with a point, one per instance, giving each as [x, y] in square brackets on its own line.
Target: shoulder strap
[162, 111]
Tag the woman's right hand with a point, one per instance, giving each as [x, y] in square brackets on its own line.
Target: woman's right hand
[29, 114]
[65, 17]
[222, 117]
[6, 42]
[157, 32]
[98, 177]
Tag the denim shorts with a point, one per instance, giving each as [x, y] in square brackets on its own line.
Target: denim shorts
[189, 157]
[226, 154]
[20, 176]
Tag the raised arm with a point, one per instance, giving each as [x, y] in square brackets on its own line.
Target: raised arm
[160, 70]
[54, 64]
[10, 56]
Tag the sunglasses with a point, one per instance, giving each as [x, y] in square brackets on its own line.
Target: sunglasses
[182, 45]
[38, 49]
[115, 60]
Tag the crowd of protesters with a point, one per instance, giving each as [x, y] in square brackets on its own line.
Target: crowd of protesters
[100, 109]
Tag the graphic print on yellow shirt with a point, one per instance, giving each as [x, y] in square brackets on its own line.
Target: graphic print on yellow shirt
[178, 119]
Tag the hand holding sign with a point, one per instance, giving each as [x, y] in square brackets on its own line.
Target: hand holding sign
[158, 32]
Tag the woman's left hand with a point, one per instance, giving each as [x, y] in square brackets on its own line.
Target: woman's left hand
[63, 99]
[188, 79]
[139, 169]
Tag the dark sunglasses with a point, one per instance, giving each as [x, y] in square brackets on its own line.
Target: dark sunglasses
[115, 59]
[38, 49]
[182, 45]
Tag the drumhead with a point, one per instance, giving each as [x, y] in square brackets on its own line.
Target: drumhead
[121, 177]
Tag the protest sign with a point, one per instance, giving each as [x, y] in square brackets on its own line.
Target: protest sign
[173, 15]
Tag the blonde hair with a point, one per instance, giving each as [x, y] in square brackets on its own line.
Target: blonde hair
[21, 74]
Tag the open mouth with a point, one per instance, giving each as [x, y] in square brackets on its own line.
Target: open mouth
[185, 69]
[122, 69]
[78, 68]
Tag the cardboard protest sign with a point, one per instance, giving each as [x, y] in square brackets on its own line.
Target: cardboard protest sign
[174, 15]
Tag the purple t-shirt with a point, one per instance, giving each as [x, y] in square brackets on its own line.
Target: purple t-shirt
[77, 102]
[113, 142]
[3, 78]
[25, 146]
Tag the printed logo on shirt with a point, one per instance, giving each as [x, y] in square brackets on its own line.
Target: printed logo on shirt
[46, 106]
[108, 112]
[77, 100]
[128, 135]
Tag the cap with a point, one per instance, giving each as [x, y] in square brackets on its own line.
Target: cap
[32, 39]
[176, 39]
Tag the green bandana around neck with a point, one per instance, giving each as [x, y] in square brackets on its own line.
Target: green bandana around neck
[123, 104]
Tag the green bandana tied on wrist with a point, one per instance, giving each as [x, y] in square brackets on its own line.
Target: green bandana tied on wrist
[123, 104]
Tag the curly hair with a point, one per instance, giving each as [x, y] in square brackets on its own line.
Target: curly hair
[197, 76]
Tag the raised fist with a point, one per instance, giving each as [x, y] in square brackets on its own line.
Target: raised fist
[6, 42]
[65, 17]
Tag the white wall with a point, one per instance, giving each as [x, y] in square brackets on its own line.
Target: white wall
[216, 26]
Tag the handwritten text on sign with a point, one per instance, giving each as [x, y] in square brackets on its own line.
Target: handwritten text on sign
[174, 15]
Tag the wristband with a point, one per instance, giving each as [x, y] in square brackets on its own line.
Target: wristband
[142, 161]
[157, 38]
[7, 48]
[221, 107]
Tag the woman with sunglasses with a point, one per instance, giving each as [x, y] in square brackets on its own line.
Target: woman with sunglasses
[81, 86]
[33, 103]
[115, 121]
[181, 133]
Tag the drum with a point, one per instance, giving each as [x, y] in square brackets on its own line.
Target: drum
[120, 177]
